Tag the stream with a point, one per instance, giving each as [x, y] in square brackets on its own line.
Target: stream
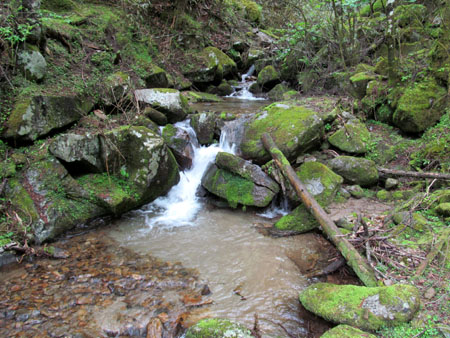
[174, 261]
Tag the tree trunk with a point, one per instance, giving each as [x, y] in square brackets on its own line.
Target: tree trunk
[392, 172]
[354, 259]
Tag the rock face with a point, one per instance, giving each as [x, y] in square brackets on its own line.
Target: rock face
[204, 125]
[54, 198]
[362, 307]
[168, 101]
[345, 331]
[35, 117]
[294, 128]
[420, 107]
[218, 328]
[239, 182]
[268, 77]
[33, 65]
[355, 170]
[353, 138]
[179, 142]
[323, 184]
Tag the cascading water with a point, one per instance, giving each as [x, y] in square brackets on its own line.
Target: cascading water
[242, 90]
[181, 204]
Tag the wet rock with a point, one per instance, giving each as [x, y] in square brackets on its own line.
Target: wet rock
[345, 331]
[268, 77]
[246, 170]
[37, 116]
[352, 138]
[80, 150]
[33, 64]
[362, 307]
[179, 142]
[299, 220]
[355, 170]
[218, 328]
[166, 100]
[159, 118]
[235, 189]
[204, 125]
[294, 128]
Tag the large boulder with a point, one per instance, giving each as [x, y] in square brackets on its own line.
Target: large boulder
[294, 128]
[218, 328]
[346, 331]
[420, 106]
[322, 184]
[235, 188]
[210, 65]
[180, 143]
[268, 77]
[37, 116]
[246, 169]
[363, 307]
[156, 77]
[352, 138]
[83, 151]
[355, 170]
[166, 100]
[204, 125]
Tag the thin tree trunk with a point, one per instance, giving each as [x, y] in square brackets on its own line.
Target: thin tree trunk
[354, 259]
[392, 172]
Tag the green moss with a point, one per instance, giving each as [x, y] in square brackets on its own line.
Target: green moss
[58, 5]
[218, 328]
[353, 138]
[383, 195]
[300, 219]
[346, 331]
[235, 189]
[253, 11]
[195, 97]
[377, 7]
[266, 75]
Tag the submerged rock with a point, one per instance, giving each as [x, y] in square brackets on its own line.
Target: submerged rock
[345, 331]
[352, 138]
[166, 100]
[37, 116]
[355, 170]
[218, 328]
[294, 128]
[362, 307]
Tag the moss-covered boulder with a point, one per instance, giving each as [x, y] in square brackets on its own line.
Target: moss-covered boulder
[235, 188]
[195, 97]
[82, 151]
[253, 11]
[320, 182]
[362, 307]
[49, 199]
[204, 125]
[409, 15]
[115, 88]
[359, 83]
[166, 100]
[35, 117]
[218, 328]
[277, 92]
[355, 170]
[420, 106]
[346, 331]
[156, 116]
[294, 128]
[254, 55]
[33, 64]
[210, 65]
[352, 138]
[268, 77]
[246, 169]
[156, 77]
[180, 143]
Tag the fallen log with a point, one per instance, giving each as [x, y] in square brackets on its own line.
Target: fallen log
[362, 269]
[392, 172]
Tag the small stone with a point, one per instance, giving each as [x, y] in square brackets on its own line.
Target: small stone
[356, 191]
[430, 293]
[391, 183]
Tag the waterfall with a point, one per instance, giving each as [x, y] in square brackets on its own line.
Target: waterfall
[242, 90]
[180, 206]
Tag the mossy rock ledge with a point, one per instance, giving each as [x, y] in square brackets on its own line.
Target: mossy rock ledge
[295, 129]
[346, 331]
[218, 328]
[362, 307]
